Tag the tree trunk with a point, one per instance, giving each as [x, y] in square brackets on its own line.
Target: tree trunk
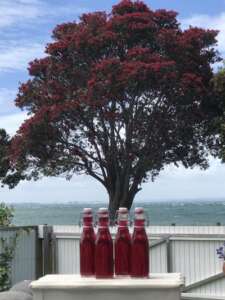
[113, 207]
[116, 201]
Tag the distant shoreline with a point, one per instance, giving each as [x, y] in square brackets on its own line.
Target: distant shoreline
[155, 201]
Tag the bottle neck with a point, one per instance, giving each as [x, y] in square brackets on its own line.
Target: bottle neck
[139, 223]
[87, 221]
[123, 223]
[103, 222]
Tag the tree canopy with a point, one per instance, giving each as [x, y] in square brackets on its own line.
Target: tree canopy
[219, 123]
[118, 97]
[8, 175]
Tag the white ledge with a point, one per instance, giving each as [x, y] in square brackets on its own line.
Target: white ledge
[56, 282]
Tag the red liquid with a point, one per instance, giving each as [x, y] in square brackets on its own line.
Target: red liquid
[122, 250]
[87, 248]
[103, 250]
[139, 251]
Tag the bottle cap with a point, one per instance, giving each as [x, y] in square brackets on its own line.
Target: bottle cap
[139, 213]
[139, 210]
[103, 210]
[122, 214]
[87, 210]
[123, 210]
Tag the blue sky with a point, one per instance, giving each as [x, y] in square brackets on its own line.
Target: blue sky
[25, 28]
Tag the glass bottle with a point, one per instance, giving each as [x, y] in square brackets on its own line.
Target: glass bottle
[87, 245]
[103, 247]
[122, 244]
[139, 246]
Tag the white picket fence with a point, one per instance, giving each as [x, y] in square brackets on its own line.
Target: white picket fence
[190, 250]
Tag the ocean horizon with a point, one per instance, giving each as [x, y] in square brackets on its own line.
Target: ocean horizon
[160, 212]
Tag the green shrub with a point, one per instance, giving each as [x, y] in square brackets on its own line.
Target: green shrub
[6, 214]
[7, 247]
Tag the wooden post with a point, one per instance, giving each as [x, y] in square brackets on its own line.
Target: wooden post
[54, 254]
[38, 254]
[169, 257]
[47, 249]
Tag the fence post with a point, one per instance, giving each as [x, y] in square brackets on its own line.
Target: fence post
[54, 254]
[38, 254]
[169, 256]
[47, 250]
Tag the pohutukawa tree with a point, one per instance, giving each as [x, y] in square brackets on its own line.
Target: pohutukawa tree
[118, 97]
[8, 175]
[219, 97]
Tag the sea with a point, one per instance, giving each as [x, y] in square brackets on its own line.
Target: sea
[194, 212]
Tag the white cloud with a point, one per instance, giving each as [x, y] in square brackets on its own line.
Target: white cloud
[17, 57]
[180, 183]
[17, 46]
[57, 190]
[68, 10]
[7, 97]
[11, 123]
[29, 1]
[216, 22]
[14, 12]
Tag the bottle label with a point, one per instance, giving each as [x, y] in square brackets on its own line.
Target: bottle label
[123, 217]
[139, 217]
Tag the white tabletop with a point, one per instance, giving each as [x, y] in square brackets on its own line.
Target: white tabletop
[161, 280]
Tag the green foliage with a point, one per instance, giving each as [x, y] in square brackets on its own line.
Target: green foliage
[4, 143]
[219, 80]
[7, 247]
[219, 91]
[6, 214]
[8, 175]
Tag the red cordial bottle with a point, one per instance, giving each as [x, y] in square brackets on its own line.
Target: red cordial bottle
[87, 245]
[122, 244]
[139, 246]
[103, 247]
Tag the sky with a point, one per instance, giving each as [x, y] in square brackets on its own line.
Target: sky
[25, 29]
